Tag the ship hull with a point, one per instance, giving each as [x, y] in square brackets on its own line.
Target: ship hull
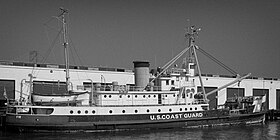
[128, 122]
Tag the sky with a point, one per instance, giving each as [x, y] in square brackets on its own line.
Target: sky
[243, 34]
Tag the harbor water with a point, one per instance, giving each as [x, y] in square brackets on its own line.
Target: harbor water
[270, 131]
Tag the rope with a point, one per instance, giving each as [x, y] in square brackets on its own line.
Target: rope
[217, 61]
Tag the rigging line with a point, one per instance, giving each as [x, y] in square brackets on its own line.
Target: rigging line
[76, 52]
[175, 58]
[170, 63]
[218, 62]
[51, 47]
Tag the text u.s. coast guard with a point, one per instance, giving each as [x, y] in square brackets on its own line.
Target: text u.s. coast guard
[176, 116]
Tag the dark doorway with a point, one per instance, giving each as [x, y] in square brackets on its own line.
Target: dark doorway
[235, 92]
[278, 99]
[9, 87]
[212, 98]
[262, 92]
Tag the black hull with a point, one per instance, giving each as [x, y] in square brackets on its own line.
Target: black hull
[126, 122]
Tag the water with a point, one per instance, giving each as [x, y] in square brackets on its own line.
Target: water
[269, 131]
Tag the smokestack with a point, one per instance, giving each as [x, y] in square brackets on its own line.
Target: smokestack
[141, 74]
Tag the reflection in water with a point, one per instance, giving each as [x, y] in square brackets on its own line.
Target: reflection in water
[270, 130]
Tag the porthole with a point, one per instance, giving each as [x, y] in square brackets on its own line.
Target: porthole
[86, 112]
[110, 111]
[190, 108]
[195, 108]
[148, 110]
[136, 111]
[165, 95]
[181, 109]
[155, 96]
[79, 111]
[144, 96]
[149, 96]
[71, 111]
[128, 96]
[186, 109]
[110, 96]
[174, 95]
[159, 110]
[135, 96]
[170, 109]
[123, 111]
[120, 96]
[93, 111]
[105, 96]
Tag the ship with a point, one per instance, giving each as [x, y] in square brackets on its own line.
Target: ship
[146, 105]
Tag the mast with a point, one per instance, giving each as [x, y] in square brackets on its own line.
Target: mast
[193, 56]
[65, 45]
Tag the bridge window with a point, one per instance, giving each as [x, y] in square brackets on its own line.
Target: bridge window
[167, 82]
[172, 82]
